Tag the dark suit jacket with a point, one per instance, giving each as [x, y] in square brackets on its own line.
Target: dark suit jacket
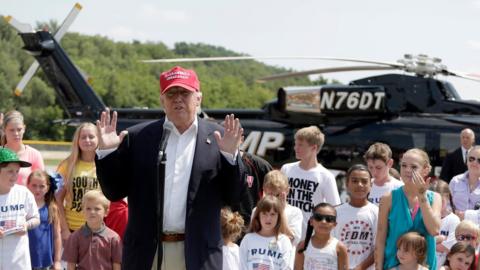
[255, 170]
[131, 171]
[453, 165]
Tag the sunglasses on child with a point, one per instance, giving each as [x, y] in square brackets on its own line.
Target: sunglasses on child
[327, 218]
[472, 159]
[466, 237]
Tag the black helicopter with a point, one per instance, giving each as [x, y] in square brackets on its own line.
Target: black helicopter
[404, 111]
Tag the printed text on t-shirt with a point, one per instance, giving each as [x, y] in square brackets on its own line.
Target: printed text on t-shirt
[301, 193]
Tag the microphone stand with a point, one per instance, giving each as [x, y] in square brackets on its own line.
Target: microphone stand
[161, 161]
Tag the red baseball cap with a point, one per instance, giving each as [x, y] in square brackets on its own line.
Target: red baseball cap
[179, 76]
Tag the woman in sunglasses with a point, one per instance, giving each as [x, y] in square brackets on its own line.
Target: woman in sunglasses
[321, 251]
[408, 208]
[465, 187]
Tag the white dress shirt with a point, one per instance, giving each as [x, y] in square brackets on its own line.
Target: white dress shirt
[180, 152]
[464, 154]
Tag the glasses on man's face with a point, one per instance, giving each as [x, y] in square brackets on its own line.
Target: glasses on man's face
[328, 218]
[466, 237]
[472, 159]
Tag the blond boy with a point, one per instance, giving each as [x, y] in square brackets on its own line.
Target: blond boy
[94, 246]
[379, 162]
[276, 184]
[469, 232]
[310, 182]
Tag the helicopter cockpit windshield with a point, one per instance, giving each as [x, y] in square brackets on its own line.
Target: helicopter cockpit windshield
[449, 91]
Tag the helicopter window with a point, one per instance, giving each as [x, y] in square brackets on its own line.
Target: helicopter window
[419, 140]
[449, 91]
[448, 143]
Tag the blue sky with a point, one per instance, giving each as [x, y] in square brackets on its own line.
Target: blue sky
[368, 29]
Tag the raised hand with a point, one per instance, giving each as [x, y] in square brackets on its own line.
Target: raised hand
[107, 131]
[421, 185]
[232, 136]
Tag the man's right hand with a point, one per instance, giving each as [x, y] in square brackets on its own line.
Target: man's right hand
[107, 131]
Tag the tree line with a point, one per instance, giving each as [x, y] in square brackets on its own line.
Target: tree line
[122, 81]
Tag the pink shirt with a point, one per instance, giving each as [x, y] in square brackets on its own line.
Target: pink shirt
[33, 156]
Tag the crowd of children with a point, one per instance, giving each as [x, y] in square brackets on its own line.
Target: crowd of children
[50, 224]
[417, 223]
[299, 223]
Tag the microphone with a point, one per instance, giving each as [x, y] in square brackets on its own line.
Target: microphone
[167, 129]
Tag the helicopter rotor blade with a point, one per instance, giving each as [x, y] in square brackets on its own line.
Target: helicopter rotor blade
[471, 77]
[421, 65]
[67, 22]
[477, 75]
[25, 28]
[235, 58]
[323, 70]
[19, 26]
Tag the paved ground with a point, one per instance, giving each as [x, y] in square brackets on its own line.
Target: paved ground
[53, 158]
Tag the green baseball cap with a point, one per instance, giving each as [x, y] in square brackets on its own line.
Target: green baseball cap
[8, 156]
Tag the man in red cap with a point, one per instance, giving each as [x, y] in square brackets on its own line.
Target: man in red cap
[202, 171]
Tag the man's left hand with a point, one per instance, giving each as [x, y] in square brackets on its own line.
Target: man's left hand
[232, 135]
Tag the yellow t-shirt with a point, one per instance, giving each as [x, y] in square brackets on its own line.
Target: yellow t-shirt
[84, 178]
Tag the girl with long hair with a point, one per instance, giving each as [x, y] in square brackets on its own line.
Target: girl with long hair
[45, 240]
[268, 243]
[79, 173]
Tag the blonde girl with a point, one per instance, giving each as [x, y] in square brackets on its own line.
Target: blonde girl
[411, 252]
[268, 243]
[322, 250]
[409, 208]
[45, 240]
[232, 228]
[12, 138]
[79, 173]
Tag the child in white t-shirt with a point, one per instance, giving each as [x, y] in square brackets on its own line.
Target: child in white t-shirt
[18, 214]
[321, 251]
[310, 182]
[379, 161]
[446, 239]
[268, 245]
[357, 219]
[276, 184]
[232, 227]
